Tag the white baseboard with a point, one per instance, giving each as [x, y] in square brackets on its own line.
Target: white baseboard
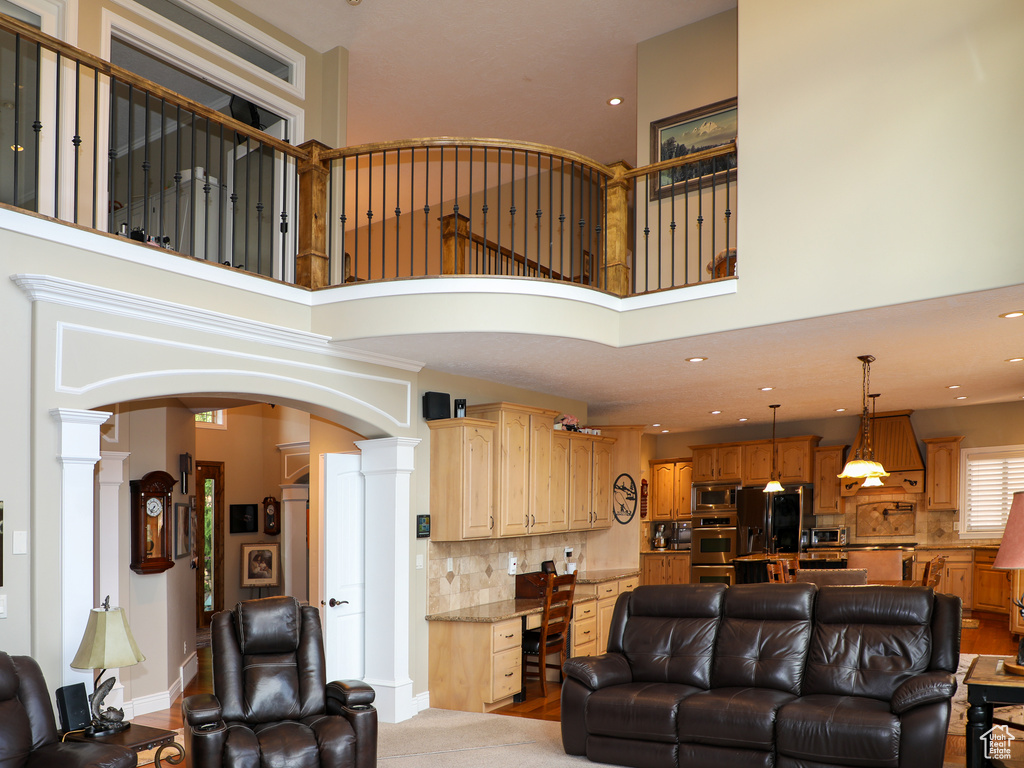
[188, 670]
[421, 702]
[146, 704]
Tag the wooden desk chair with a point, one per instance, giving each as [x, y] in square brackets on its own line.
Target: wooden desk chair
[933, 571]
[781, 571]
[881, 564]
[552, 637]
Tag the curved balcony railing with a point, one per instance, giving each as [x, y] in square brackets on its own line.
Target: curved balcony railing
[98, 146]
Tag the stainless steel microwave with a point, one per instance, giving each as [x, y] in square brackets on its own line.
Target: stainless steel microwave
[714, 498]
[828, 537]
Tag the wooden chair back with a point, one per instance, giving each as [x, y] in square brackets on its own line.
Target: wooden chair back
[933, 571]
[828, 576]
[881, 564]
[554, 626]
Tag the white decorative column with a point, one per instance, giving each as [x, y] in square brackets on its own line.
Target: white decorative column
[387, 465]
[294, 542]
[108, 548]
[78, 452]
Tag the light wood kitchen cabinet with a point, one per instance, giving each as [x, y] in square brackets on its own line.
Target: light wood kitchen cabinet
[672, 480]
[586, 463]
[1016, 590]
[522, 494]
[584, 628]
[956, 580]
[489, 668]
[668, 568]
[794, 457]
[462, 481]
[828, 463]
[757, 463]
[601, 478]
[942, 472]
[991, 588]
[717, 463]
[606, 593]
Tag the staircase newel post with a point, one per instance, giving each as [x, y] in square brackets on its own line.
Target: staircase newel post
[454, 243]
[618, 255]
[311, 262]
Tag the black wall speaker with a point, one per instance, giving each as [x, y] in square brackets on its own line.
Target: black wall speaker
[73, 707]
[437, 405]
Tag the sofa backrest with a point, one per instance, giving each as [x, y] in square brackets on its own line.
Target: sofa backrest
[26, 714]
[764, 636]
[867, 640]
[667, 632]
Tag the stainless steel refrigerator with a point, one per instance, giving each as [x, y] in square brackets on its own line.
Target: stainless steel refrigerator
[771, 522]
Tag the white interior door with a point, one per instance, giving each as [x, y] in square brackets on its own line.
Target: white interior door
[344, 572]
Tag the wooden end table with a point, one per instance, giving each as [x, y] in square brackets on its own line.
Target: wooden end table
[139, 738]
[988, 685]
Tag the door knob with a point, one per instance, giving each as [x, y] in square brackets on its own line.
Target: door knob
[335, 603]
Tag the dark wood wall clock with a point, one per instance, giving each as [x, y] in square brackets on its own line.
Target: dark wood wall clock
[151, 528]
[271, 516]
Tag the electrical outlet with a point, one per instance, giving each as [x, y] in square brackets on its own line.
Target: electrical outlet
[513, 563]
[419, 562]
[450, 566]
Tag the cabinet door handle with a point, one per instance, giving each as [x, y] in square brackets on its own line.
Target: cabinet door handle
[490, 524]
[510, 674]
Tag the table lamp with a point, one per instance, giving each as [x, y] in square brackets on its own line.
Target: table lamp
[1011, 553]
[107, 644]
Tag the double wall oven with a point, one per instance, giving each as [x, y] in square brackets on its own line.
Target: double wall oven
[713, 535]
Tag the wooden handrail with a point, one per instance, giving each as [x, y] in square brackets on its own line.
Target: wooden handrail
[123, 75]
[675, 162]
[467, 142]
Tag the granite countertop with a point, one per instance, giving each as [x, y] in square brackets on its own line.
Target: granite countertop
[608, 574]
[491, 613]
[962, 545]
[649, 551]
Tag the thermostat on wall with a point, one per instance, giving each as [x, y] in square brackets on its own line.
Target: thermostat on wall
[422, 526]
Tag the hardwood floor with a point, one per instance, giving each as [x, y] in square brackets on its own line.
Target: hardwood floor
[991, 637]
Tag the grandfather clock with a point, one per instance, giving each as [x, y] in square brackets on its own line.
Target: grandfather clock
[151, 528]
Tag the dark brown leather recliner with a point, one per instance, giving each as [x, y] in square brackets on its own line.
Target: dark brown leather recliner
[28, 731]
[271, 704]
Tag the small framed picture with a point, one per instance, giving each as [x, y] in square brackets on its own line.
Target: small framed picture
[244, 518]
[261, 565]
[182, 531]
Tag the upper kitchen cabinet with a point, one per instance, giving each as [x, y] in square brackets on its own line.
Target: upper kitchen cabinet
[462, 479]
[718, 463]
[586, 478]
[671, 480]
[522, 465]
[794, 460]
[942, 475]
[828, 463]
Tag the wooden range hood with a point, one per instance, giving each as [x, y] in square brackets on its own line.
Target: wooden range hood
[895, 444]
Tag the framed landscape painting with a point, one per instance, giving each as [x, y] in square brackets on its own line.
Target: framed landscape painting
[689, 132]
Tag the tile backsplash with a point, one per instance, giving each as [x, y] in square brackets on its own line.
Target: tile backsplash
[479, 572]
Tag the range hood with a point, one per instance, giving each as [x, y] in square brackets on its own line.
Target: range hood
[895, 444]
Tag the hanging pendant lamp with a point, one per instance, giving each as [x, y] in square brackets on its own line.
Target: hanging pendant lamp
[774, 486]
[863, 465]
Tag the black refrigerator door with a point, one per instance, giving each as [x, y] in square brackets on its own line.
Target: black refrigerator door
[751, 509]
[786, 518]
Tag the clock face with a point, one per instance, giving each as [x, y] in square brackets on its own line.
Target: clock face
[154, 506]
[271, 510]
[624, 498]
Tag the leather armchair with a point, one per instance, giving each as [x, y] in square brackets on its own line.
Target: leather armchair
[28, 730]
[271, 704]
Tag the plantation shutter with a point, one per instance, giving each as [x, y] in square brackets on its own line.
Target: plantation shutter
[992, 478]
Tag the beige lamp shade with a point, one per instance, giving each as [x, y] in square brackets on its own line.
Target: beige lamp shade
[108, 642]
[1011, 550]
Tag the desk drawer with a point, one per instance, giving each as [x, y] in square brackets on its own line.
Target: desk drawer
[584, 610]
[507, 673]
[607, 589]
[628, 585]
[507, 634]
[584, 633]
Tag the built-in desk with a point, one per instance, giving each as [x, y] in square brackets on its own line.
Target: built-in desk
[475, 660]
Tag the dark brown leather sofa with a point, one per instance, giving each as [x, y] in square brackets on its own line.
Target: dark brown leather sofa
[28, 731]
[271, 704]
[786, 675]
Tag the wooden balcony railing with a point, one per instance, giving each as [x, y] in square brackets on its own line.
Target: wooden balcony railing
[95, 145]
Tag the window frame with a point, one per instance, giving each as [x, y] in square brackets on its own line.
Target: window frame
[1012, 452]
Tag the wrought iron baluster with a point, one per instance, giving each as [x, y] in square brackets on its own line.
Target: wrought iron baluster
[260, 220]
[686, 231]
[728, 208]
[355, 221]
[551, 223]
[426, 210]
[178, 244]
[700, 228]
[56, 138]
[474, 266]
[483, 212]
[369, 216]
[343, 217]
[672, 239]
[412, 207]
[539, 214]
[647, 230]
[17, 116]
[398, 209]
[206, 194]
[111, 154]
[561, 219]
[192, 189]
[512, 214]
[95, 142]
[222, 204]
[455, 212]
[76, 140]
[145, 169]
[500, 263]
[440, 208]
[714, 217]
[131, 142]
[163, 167]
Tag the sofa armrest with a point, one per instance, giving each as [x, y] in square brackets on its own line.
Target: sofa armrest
[921, 689]
[597, 672]
[350, 693]
[201, 709]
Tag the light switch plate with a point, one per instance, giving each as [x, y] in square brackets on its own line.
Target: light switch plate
[19, 543]
[3, 606]
[513, 563]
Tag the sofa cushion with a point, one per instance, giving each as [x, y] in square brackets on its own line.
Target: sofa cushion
[667, 633]
[645, 711]
[763, 638]
[732, 717]
[868, 640]
[839, 730]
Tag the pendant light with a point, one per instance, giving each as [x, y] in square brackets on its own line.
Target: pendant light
[863, 465]
[774, 486]
[872, 481]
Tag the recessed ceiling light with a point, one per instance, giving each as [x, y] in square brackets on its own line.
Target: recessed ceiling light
[715, 413]
[696, 359]
[1015, 313]
[767, 389]
[655, 425]
[1016, 360]
[615, 101]
[953, 386]
[840, 410]
[740, 419]
[664, 431]
[961, 397]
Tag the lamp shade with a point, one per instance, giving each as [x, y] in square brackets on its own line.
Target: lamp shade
[1011, 550]
[108, 642]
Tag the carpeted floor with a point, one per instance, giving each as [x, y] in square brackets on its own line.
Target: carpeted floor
[441, 738]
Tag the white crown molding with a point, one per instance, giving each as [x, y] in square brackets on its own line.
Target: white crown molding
[57, 290]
